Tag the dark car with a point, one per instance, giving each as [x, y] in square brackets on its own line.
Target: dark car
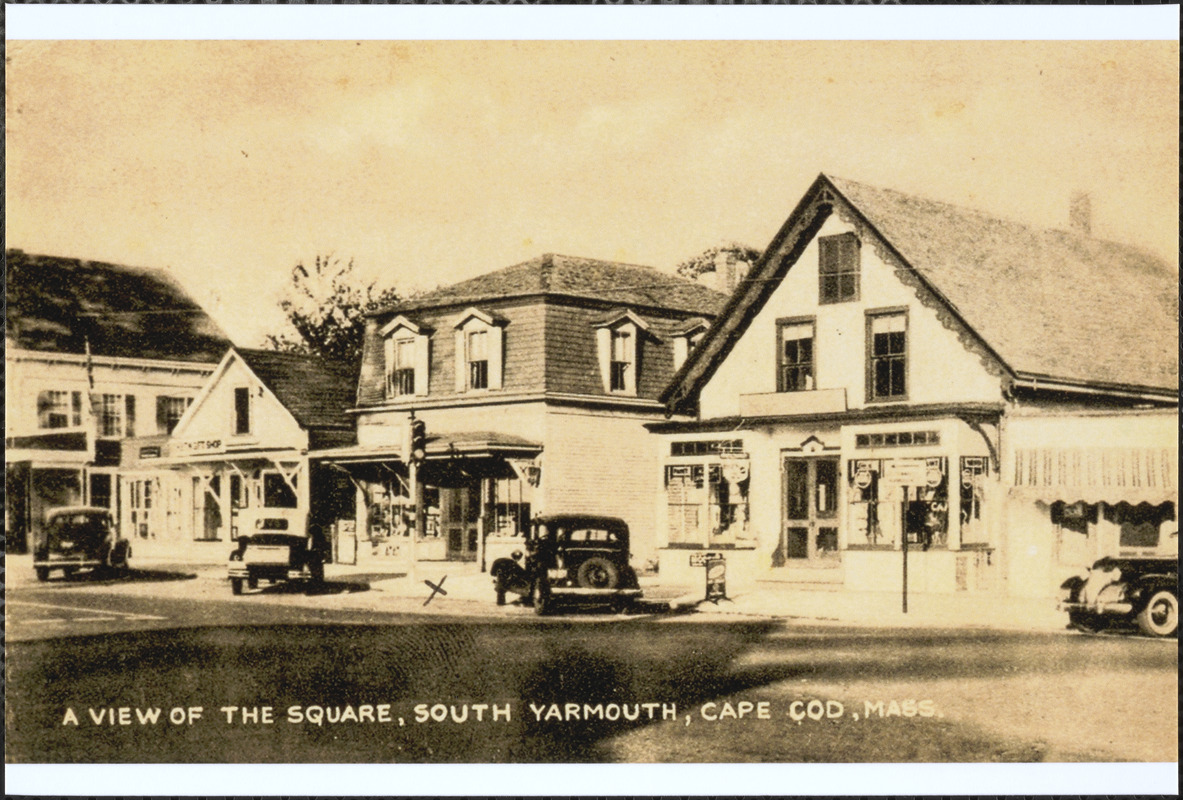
[570, 558]
[79, 537]
[1131, 589]
[272, 553]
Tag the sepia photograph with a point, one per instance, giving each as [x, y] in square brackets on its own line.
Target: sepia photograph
[382, 399]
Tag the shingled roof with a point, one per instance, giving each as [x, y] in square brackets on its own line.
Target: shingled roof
[1049, 304]
[57, 304]
[317, 393]
[567, 276]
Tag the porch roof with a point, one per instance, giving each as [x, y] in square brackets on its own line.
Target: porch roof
[439, 446]
[887, 413]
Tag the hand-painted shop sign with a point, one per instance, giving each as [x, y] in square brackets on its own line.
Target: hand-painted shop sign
[152, 451]
[194, 447]
[906, 471]
[701, 559]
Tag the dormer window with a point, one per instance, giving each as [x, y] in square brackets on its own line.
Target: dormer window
[618, 343]
[478, 359]
[400, 374]
[838, 268]
[687, 338]
[480, 346]
[407, 351]
[622, 361]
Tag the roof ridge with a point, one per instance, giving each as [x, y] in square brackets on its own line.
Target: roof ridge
[838, 180]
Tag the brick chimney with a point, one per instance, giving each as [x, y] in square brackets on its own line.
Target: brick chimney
[1080, 215]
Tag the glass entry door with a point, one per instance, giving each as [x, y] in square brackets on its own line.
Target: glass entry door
[809, 533]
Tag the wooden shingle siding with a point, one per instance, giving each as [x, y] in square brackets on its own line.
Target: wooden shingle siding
[599, 464]
[370, 387]
[571, 360]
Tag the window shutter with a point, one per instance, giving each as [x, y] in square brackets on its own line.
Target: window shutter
[604, 350]
[461, 362]
[681, 350]
[422, 363]
[388, 369]
[631, 374]
[76, 407]
[162, 414]
[496, 356]
[129, 428]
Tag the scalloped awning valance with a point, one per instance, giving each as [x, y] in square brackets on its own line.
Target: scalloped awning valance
[1096, 474]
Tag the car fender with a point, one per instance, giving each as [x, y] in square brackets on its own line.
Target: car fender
[507, 569]
[1143, 586]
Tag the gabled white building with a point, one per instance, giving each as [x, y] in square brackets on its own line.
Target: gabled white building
[897, 372]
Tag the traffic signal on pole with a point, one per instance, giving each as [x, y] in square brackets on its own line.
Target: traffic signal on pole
[418, 440]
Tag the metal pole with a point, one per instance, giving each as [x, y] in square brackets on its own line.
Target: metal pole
[904, 529]
[417, 497]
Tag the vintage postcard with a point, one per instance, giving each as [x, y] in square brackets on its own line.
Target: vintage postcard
[392, 400]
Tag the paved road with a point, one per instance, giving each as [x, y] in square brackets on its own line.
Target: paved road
[393, 685]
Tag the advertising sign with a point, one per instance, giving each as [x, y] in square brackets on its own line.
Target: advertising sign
[716, 571]
[906, 471]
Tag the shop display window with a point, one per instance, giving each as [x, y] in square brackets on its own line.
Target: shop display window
[707, 504]
[974, 470]
[889, 498]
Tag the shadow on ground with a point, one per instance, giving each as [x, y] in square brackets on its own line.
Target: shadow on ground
[104, 577]
[451, 668]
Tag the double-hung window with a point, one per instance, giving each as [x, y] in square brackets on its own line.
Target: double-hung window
[117, 416]
[795, 356]
[59, 409]
[621, 363]
[478, 359]
[838, 268]
[887, 356]
[400, 374]
[169, 411]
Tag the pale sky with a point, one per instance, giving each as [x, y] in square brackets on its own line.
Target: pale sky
[432, 162]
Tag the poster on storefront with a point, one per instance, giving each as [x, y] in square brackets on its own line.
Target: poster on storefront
[698, 314]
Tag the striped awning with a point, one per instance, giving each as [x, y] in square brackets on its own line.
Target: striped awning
[1096, 474]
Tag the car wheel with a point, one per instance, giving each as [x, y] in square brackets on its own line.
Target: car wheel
[236, 585]
[1084, 621]
[1160, 615]
[42, 573]
[119, 560]
[598, 573]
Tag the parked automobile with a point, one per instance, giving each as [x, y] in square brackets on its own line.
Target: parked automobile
[570, 559]
[274, 553]
[79, 537]
[1132, 589]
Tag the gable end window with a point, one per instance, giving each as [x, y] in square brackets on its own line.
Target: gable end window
[242, 410]
[887, 356]
[838, 268]
[795, 354]
[169, 411]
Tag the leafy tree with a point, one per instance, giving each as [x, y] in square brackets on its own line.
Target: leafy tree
[326, 306]
[706, 260]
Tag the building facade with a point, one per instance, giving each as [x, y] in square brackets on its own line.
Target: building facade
[240, 456]
[534, 383]
[903, 380]
[95, 354]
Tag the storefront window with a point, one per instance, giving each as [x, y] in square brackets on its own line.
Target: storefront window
[511, 507]
[1140, 525]
[707, 504]
[277, 493]
[889, 497]
[973, 483]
